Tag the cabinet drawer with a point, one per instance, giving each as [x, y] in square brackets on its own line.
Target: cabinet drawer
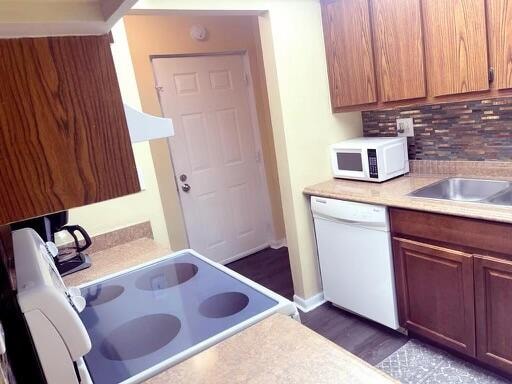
[462, 232]
[435, 293]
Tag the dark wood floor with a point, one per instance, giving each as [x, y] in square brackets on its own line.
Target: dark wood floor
[366, 339]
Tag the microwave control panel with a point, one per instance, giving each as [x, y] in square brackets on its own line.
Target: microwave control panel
[372, 164]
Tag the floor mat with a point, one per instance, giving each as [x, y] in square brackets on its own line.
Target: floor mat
[419, 363]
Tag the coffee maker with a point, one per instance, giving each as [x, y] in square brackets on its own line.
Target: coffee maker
[70, 258]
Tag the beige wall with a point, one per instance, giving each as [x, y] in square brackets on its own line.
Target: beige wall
[169, 34]
[303, 125]
[144, 206]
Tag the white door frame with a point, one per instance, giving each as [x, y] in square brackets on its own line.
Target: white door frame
[256, 130]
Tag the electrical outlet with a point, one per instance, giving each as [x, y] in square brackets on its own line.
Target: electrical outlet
[405, 127]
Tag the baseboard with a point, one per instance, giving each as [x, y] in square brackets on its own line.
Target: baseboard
[306, 305]
[244, 254]
[276, 244]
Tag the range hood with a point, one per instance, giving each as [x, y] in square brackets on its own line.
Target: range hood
[144, 127]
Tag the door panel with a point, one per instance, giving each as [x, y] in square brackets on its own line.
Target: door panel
[196, 139]
[435, 293]
[493, 284]
[230, 136]
[238, 197]
[455, 46]
[214, 146]
[499, 33]
[398, 44]
[347, 30]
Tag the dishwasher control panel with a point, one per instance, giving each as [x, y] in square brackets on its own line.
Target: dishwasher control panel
[349, 211]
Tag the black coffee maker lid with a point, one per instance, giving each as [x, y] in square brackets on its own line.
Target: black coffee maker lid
[46, 225]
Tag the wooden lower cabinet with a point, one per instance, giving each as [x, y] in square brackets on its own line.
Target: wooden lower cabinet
[493, 302]
[435, 292]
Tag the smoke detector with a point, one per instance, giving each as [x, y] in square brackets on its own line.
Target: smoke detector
[198, 32]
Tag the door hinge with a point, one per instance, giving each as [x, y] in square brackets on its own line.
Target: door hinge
[258, 156]
[246, 78]
[491, 75]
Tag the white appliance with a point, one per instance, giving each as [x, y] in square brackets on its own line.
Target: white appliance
[129, 326]
[374, 159]
[50, 310]
[356, 264]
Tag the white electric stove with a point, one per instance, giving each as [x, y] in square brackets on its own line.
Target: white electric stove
[129, 326]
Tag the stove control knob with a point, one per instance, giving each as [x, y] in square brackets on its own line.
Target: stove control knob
[79, 303]
[52, 249]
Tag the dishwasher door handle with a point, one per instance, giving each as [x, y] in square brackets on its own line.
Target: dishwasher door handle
[358, 223]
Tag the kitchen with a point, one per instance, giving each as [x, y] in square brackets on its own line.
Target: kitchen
[459, 118]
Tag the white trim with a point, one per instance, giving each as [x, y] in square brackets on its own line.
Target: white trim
[276, 244]
[59, 18]
[244, 254]
[256, 130]
[196, 12]
[306, 305]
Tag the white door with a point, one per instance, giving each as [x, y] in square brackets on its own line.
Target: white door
[214, 154]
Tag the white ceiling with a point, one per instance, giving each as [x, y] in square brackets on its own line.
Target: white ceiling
[29, 18]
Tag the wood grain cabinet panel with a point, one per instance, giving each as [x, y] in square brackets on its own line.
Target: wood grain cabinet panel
[435, 293]
[499, 33]
[64, 141]
[493, 285]
[455, 46]
[398, 45]
[349, 52]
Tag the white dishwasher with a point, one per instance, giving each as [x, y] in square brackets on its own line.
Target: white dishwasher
[356, 263]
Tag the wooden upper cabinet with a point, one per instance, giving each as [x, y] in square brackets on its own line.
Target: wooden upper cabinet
[398, 45]
[499, 33]
[455, 46]
[348, 44]
[493, 299]
[64, 141]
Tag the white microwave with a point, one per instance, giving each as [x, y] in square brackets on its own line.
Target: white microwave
[374, 159]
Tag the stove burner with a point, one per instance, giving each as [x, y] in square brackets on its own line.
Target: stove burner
[166, 276]
[140, 336]
[223, 304]
[102, 294]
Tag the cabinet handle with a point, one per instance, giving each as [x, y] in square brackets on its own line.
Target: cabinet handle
[491, 75]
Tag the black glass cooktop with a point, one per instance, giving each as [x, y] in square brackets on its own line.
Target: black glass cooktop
[143, 317]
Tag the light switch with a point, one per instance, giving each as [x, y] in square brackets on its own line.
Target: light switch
[405, 127]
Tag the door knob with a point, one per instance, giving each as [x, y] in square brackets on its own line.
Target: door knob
[185, 187]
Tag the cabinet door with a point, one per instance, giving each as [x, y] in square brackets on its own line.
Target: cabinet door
[398, 44]
[493, 298]
[499, 33]
[435, 293]
[349, 52]
[64, 141]
[455, 46]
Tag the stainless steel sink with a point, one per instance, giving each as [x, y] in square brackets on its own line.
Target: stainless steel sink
[472, 190]
[502, 198]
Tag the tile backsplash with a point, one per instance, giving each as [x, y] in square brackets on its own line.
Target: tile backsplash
[472, 130]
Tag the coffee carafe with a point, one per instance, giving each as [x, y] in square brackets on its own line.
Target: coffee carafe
[71, 258]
